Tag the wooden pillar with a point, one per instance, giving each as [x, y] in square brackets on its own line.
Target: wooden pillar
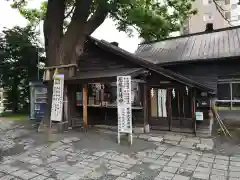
[145, 107]
[193, 111]
[169, 100]
[85, 103]
[65, 107]
[178, 105]
[149, 105]
[183, 105]
[231, 97]
[71, 105]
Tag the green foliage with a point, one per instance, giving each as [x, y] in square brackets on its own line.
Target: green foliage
[32, 15]
[153, 19]
[18, 64]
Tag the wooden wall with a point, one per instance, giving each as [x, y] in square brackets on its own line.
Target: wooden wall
[207, 72]
[108, 116]
[95, 58]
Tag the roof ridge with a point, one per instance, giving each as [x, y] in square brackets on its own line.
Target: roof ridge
[150, 66]
[192, 34]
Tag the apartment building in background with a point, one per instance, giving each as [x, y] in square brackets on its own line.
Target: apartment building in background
[235, 12]
[208, 14]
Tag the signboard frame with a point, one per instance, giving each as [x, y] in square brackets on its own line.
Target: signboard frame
[199, 116]
[57, 98]
[124, 106]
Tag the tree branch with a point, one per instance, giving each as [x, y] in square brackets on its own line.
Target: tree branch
[75, 31]
[96, 19]
[221, 10]
[80, 15]
[124, 21]
[71, 11]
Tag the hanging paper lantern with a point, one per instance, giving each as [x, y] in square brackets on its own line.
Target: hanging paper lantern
[98, 85]
[173, 93]
[103, 86]
[187, 90]
[152, 92]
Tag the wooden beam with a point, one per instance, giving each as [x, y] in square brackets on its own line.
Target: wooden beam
[61, 66]
[169, 95]
[145, 107]
[193, 111]
[178, 102]
[85, 103]
[183, 105]
[149, 114]
[71, 104]
[164, 86]
[65, 106]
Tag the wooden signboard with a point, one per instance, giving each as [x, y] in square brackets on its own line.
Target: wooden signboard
[124, 102]
[57, 98]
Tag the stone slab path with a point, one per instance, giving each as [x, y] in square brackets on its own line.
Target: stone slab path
[184, 140]
[25, 155]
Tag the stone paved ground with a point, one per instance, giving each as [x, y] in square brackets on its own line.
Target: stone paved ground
[25, 155]
[185, 140]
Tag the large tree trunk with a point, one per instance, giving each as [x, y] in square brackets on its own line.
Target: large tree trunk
[53, 31]
[66, 48]
[14, 106]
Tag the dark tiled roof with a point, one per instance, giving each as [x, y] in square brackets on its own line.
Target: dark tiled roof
[145, 64]
[218, 44]
[109, 73]
[208, 81]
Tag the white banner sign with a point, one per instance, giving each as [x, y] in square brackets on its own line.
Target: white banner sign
[57, 98]
[162, 110]
[124, 104]
[199, 116]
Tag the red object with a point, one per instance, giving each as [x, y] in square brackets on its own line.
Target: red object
[78, 102]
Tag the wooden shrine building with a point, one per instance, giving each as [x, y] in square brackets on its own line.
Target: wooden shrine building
[154, 91]
[210, 58]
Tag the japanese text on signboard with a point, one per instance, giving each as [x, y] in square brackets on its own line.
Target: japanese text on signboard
[57, 98]
[124, 104]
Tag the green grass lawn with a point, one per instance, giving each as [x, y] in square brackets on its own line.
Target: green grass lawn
[14, 116]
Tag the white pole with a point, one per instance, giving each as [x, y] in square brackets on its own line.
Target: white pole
[38, 64]
[231, 96]
[39, 31]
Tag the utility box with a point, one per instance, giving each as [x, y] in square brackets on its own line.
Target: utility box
[38, 100]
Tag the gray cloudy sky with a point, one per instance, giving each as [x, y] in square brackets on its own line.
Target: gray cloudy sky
[107, 31]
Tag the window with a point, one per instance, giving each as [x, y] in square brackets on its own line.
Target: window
[209, 27]
[207, 17]
[185, 29]
[207, 2]
[235, 18]
[106, 95]
[224, 91]
[235, 91]
[234, 6]
[227, 2]
[227, 15]
[229, 94]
